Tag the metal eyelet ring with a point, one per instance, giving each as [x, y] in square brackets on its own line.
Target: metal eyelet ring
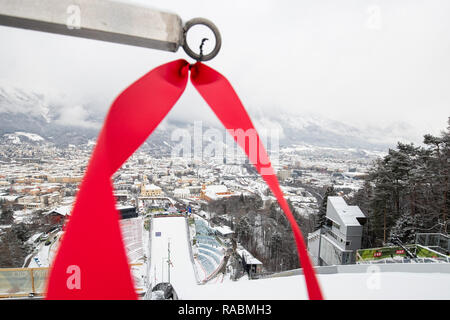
[213, 28]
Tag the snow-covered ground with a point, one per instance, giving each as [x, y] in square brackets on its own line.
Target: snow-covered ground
[45, 253]
[182, 275]
[389, 285]
[14, 138]
[22, 216]
[31, 136]
[383, 285]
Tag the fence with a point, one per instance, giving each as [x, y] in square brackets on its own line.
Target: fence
[398, 254]
[27, 282]
[22, 282]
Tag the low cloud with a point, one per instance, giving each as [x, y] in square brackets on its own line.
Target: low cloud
[75, 116]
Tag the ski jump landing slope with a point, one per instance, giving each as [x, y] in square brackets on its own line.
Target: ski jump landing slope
[182, 274]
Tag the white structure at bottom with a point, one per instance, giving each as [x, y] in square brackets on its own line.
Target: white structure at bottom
[337, 241]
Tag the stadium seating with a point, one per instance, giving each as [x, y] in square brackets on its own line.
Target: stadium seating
[210, 250]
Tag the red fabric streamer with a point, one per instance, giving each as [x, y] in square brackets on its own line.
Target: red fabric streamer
[223, 100]
[91, 262]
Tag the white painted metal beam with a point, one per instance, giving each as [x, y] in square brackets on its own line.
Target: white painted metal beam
[104, 20]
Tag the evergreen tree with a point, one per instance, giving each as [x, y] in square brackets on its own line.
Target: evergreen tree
[406, 191]
[320, 220]
[6, 214]
[243, 230]
[275, 247]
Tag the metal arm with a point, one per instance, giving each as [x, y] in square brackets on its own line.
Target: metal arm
[103, 20]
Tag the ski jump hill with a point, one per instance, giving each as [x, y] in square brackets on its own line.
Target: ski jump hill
[394, 281]
[171, 230]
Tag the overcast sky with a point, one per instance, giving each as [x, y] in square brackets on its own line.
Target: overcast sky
[366, 63]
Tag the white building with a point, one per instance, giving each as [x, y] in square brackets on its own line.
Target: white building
[337, 241]
[181, 193]
[151, 190]
[214, 192]
[224, 231]
[284, 174]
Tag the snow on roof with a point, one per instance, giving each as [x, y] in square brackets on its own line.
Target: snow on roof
[247, 256]
[9, 198]
[151, 187]
[64, 210]
[224, 230]
[216, 188]
[182, 190]
[68, 201]
[215, 196]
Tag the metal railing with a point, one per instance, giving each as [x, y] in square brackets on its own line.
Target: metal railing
[191, 254]
[436, 241]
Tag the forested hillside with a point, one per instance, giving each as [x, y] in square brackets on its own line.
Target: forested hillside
[407, 191]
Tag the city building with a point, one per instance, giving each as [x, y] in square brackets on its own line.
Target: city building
[150, 190]
[214, 192]
[284, 174]
[59, 215]
[250, 264]
[181, 193]
[224, 231]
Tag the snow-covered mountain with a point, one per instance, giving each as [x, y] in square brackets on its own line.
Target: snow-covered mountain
[63, 123]
[18, 137]
[309, 129]
[31, 117]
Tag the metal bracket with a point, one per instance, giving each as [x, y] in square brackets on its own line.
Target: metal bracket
[213, 28]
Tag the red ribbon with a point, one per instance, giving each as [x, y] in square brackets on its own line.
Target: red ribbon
[91, 262]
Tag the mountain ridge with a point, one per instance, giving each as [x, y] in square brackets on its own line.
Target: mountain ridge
[31, 112]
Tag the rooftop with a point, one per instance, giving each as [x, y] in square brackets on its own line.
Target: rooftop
[224, 230]
[348, 214]
[151, 187]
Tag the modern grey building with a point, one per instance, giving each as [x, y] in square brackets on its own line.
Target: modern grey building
[337, 241]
